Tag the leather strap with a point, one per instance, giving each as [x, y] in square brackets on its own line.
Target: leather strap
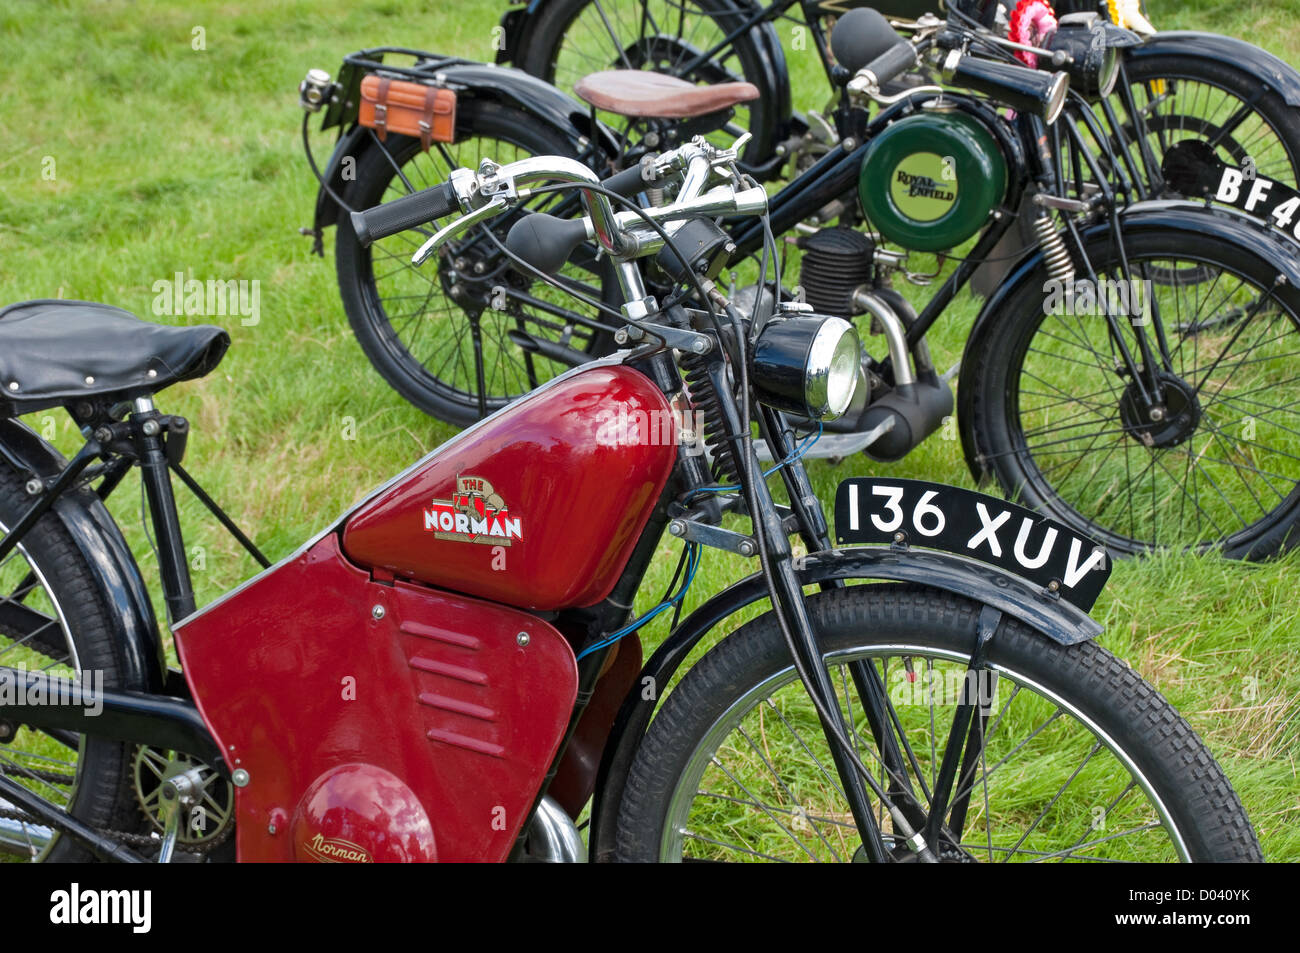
[426, 124]
[381, 108]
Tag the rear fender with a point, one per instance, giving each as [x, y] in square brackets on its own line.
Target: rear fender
[116, 575]
[542, 102]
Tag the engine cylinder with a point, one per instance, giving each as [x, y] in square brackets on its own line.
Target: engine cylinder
[835, 263]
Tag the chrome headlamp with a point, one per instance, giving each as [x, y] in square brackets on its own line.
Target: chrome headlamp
[807, 365]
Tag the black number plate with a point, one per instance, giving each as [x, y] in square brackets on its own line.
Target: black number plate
[1192, 168]
[993, 531]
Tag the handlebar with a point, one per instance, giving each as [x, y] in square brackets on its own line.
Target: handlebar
[546, 241]
[863, 40]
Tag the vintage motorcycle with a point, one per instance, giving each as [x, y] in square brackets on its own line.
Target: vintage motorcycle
[451, 670]
[1155, 408]
[1167, 86]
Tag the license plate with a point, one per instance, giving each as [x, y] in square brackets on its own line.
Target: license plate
[1193, 169]
[985, 528]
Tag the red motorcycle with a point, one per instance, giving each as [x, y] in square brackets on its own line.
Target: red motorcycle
[451, 670]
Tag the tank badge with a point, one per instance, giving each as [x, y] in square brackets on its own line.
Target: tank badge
[332, 850]
[474, 514]
[924, 186]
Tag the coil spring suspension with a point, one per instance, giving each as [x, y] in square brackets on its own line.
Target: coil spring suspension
[705, 402]
[1057, 256]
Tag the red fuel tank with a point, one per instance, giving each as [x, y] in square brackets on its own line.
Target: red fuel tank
[539, 506]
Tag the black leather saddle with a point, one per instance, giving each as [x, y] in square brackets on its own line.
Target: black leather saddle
[53, 351]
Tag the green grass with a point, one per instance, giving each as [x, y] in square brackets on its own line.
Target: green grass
[166, 159]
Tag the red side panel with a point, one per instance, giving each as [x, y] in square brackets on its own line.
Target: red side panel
[297, 677]
[540, 507]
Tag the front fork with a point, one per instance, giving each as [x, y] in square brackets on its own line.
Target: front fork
[1145, 366]
[788, 602]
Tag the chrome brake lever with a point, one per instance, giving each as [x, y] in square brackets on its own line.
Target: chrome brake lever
[498, 204]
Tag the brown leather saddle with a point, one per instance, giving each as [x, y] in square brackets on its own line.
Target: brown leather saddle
[641, 94]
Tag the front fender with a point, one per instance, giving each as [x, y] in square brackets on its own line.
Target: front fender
[1273, 73]
[1054, 618]
[1192, 218]
[542, 102]
[116, 575]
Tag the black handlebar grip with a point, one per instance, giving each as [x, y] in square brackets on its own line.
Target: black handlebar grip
[895, 61]
[418, 208]
[862, 35]
[627, 183]
[544, 241]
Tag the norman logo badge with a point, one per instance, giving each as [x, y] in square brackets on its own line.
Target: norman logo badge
[474, 514]
[333, 850]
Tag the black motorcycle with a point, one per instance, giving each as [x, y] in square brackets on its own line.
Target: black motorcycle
[1166, 86]
[1129, 372]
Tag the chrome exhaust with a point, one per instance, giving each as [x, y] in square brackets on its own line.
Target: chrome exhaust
[552, 836]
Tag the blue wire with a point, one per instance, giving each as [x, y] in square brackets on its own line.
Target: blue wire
[797, 454]
[693, 560]
[692, 564]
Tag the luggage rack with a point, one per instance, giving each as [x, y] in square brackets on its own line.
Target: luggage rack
[343, 108]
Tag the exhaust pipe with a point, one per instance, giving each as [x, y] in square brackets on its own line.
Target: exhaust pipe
[552, 836]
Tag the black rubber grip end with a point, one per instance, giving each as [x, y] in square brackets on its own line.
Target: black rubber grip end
[418, 208]
[892, 63]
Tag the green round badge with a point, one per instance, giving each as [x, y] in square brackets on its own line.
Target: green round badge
[924, 186]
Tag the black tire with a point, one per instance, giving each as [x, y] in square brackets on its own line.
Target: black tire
[872, 620]
[544, 53]
[1201, 96]
[445, 383]
[102, 794]
[1048, 423]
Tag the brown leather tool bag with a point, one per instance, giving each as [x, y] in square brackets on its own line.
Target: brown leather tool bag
[427, 113]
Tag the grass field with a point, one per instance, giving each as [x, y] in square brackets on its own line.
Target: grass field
[130, 155]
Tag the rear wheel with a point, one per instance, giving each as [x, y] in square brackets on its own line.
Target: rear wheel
[456, 336]
[1074, 758]
[53, 620]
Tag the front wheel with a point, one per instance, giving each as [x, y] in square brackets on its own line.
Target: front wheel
[1183, 97]
[1060, 419]
[1073, 756]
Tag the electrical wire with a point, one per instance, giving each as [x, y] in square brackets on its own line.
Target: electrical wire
[311, 161]
[794, 455]
[693, 563]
